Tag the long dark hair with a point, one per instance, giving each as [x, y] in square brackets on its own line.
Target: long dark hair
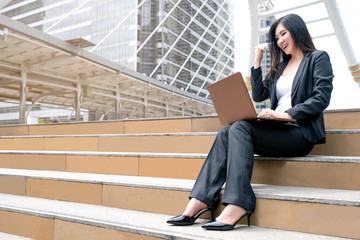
[301, 36]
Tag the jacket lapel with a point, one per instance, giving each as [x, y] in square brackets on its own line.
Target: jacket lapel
[273, 87]
[298, 75]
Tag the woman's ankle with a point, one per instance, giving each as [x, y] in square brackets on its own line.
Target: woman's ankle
[231, 214]
[193, 207]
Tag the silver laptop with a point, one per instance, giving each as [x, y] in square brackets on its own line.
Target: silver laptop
[232, 101]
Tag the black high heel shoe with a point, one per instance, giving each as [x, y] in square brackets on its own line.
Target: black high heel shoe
[219, 226]
[183, 220]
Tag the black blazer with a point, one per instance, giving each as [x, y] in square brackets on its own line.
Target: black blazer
[310, 93]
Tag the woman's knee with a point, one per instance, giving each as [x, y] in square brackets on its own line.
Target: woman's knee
[240, 126]
[223, 131]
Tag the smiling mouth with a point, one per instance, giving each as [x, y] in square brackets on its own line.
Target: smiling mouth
[284, 47]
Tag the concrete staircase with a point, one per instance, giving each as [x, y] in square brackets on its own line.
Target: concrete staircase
[124, 179]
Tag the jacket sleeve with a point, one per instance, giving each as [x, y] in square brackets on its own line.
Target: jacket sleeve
[260, 90]
[320, 76]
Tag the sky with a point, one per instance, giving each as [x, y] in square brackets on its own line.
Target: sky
[346, 92]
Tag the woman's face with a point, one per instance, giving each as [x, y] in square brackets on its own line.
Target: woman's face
[284, 39]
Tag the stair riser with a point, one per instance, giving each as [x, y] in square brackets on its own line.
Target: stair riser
[338, 144]
[42, 228]
[26, 225]
[344, 144]
[342, 120]
[308, 174]
[77, 128]
[332, 220]
[34, 161]
[335, 220]
[288, 173]
[168, 144]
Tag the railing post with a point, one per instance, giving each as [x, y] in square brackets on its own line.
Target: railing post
[22, 93]
[77, 99]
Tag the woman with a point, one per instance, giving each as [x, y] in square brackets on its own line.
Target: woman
[299, 85]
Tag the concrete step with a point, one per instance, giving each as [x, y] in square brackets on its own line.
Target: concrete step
[339, 143]
[6, 236]
[334, 119]
[143, 164]
[158, 142]
[168, 125]
[309, 171]
[331, 212]
[66, 220]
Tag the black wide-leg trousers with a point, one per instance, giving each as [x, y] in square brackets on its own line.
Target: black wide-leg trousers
[231, 159]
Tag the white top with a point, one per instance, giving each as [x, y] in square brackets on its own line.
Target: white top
[283, 93]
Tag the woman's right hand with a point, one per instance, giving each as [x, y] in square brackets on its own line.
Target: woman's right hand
[259, 51]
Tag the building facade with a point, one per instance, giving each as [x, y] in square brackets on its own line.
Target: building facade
[188, 44]
[263, 38]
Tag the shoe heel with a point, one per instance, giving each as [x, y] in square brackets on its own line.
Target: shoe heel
[248, 218]
[212, 214]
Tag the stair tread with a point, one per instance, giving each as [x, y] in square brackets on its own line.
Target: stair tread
[308, 158]
[145, 223]
[287, 193]
[7, 236]
[101, 153]
[115, 135]
[328, 131]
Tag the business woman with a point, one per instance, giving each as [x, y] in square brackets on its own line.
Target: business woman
[299, 85]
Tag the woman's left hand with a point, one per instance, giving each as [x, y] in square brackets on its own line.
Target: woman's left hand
[273, 114]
